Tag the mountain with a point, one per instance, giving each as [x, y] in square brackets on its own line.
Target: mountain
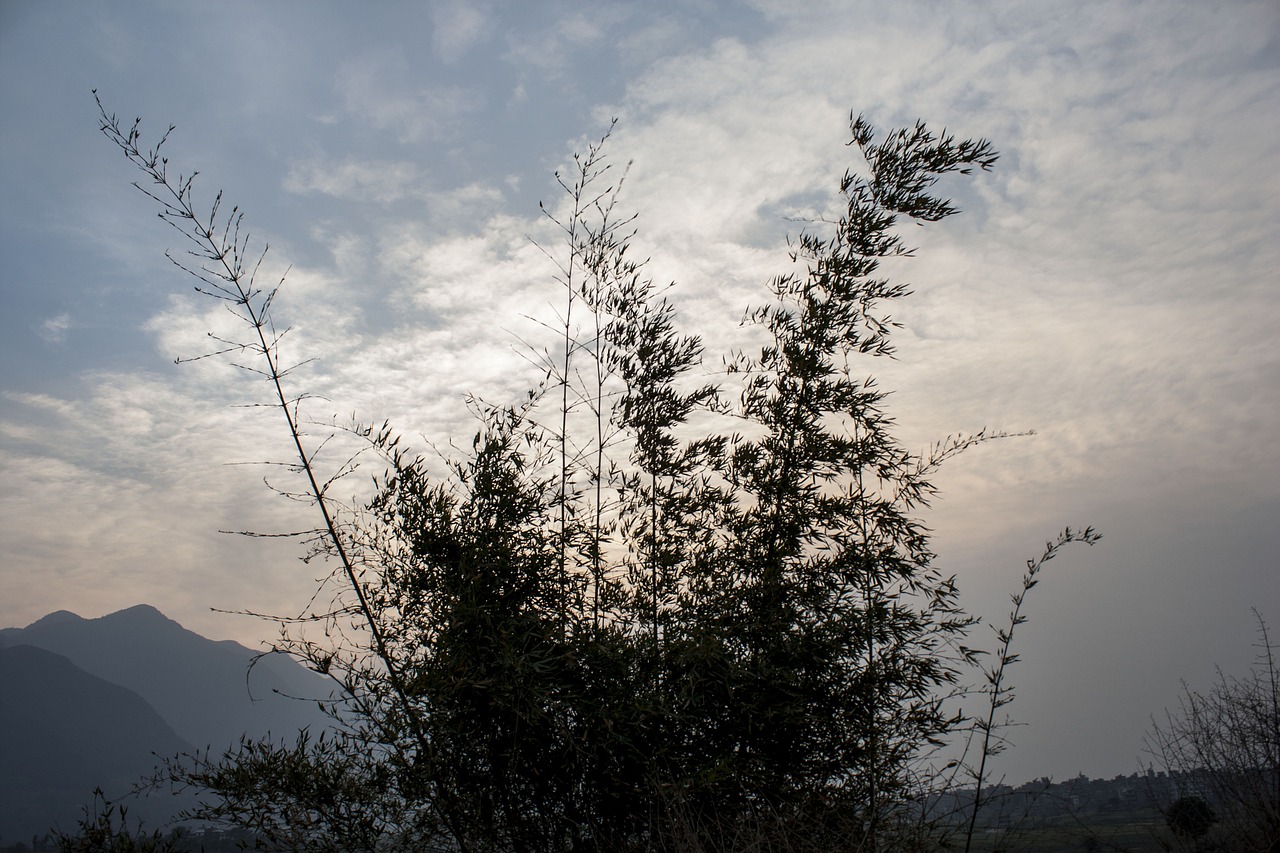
[210, 692]
[64, 732]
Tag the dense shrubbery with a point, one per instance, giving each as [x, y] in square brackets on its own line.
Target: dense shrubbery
[646, 612]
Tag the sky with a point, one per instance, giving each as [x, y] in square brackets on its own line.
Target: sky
[1111, 285]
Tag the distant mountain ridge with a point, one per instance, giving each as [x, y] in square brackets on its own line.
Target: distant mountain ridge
[204, 688]
[66, 732]
[90, 703]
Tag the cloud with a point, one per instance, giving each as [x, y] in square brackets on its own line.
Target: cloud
[472, 206]
[457, 27]
[54, 329]
[124, 491]
[374, 93]
[1110, 284]
[552, 49]
[382, 182]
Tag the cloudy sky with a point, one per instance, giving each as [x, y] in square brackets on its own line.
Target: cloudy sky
[1112, 285]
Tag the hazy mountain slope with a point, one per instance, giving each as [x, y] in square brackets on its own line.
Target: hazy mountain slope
[64, 732]
[203, 688]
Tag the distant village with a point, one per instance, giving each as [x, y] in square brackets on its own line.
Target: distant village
[1043, 800]
[1124, 813]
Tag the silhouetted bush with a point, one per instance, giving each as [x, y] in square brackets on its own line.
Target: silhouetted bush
[646, 612]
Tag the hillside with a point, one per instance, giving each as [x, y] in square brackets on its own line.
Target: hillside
[88, 703]
[65, 733]
[204, 688]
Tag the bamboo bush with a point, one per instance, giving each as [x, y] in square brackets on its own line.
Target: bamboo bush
[611, 626]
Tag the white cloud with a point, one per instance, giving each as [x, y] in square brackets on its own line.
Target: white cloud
[471, 206]
[54, 329]
[125, 490]
[1111, 285]
[457, 27]
[551, 49]
[379, 181]
[375, 92]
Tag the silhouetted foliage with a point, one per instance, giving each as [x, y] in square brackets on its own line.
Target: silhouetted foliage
[1000, 694]
[646, 611]
[105, 829]
[1225, 745]
[1190, 817]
